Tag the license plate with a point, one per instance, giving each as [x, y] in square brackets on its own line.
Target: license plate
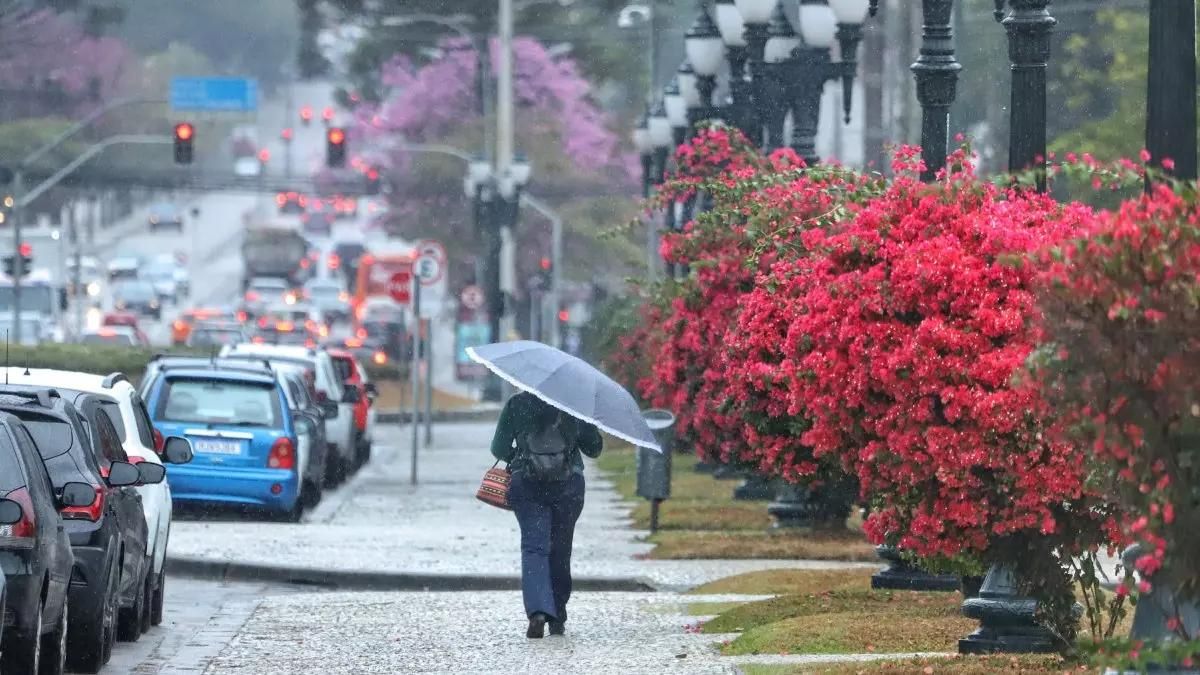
[217, 447]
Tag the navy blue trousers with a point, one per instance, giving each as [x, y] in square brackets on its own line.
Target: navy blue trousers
[546, 512]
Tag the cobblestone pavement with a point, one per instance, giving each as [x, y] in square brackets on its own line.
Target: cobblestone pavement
[381, 523]
[334, 633]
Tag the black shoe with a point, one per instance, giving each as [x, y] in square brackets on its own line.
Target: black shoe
[537, 626]
[558, 628]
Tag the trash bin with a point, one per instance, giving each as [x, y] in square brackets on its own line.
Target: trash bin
[654, 467]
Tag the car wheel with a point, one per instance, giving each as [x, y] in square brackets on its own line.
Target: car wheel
[90, 642]
[148, 596]
[54, 647]
[24, 654]
[159, 599]
[129, 619]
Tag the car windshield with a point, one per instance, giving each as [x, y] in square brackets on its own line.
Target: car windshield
[134, 291]
[211, 401]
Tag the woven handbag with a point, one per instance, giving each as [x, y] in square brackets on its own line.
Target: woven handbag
[494, 488]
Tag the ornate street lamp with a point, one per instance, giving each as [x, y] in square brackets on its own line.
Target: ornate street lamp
[705, 50]
[645, 148]
[756, 16]
[1029, 25]
[936, 74]
[676, 109]
[733, 35]
[782, 40]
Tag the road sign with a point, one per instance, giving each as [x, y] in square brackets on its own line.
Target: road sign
[222, 94]
[472, 297]
[400, 287]
[429, 269]
[432, 248]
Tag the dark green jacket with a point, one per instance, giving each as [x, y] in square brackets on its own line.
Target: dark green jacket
[521, 414]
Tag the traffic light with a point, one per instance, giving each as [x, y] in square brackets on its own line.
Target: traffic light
[185, 134]
[335, 147]
[306, 115]
[372, 181]
[286, 134]
[264, 156]
[327, 114]
[19, 265]
[546, 272]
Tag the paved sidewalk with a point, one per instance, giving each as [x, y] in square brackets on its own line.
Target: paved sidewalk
[379, 523]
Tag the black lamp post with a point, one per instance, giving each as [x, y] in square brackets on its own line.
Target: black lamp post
[936, 73]
[1171, 86]
[782, 40]
[642, 143]
[1029, 25]
[739, 106]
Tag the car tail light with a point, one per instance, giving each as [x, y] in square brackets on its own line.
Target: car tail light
[284, 326]
[159, 441]
[379, 358]
[257, 339]
[310, 343]
[252, 296]
[179, 325]
[335, 261]
[323, 330]
[353, 342]
[262, 322]
[242, 316]
[310, 325]
[305, 263]
[361, 333]
[282, 455]
[26, 527]
[280, 199]
[92, 512]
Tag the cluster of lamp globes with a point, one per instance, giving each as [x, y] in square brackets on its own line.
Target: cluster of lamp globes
[780, 27]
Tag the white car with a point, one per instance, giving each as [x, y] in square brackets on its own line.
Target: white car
[339, 431]
[247, 167]
[139, 438]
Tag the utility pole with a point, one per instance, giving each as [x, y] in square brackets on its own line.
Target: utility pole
[504, 159]
[1171, 86]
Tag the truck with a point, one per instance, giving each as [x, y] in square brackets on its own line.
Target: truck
[275, 250]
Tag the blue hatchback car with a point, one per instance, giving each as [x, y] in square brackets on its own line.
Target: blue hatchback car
[241, 431]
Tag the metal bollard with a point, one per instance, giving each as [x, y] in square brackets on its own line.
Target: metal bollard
[653, 467]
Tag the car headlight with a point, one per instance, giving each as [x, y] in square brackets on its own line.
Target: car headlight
[93, 289]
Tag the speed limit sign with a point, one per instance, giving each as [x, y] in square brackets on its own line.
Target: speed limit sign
[429, 269]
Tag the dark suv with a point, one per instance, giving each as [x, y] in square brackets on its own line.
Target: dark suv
[108, 536]
[35, 553]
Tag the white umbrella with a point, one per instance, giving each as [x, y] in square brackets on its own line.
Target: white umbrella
[569, 384]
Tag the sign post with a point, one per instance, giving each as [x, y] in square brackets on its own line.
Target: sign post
[428, 270]
[404, 287]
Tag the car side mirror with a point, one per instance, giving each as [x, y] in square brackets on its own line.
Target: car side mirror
[330, 409]
[81, 494]
[151, 473]
[177, 450]
[371, 388]
[304, 425]
[10, 512]
[121, 474]
[351, 395]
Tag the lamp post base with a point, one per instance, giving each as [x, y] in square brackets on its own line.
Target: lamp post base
[797, 506]
[756, 487]
[901, 575]
[1008, 621]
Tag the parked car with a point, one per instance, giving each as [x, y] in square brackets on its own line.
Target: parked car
[244, 436]
[354, 375]
[36, 553]
[309, 417]
[137, 296]
[110, 531]
[106, 537]
[142, 444]
[339, 430]
[165, 214]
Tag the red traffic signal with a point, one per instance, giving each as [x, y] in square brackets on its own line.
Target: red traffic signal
[286, 134]
[25, 249]
[564, 315]
[327, 114]
[306, 114]
[264, 155]
[335, 147]
[185, 135]
[545, 264]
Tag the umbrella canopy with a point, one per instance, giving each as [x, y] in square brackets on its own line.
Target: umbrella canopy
[569, 384]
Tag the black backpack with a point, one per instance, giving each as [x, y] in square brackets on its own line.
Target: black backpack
[547, 452]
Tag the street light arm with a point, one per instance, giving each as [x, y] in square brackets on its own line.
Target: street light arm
[85, 123]
[129, 139]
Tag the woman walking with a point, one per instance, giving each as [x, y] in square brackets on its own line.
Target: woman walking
[543, 447]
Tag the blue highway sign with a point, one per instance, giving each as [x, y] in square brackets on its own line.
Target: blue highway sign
[232, 94]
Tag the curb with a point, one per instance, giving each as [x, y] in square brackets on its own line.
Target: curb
[485, 415]
[378, 581]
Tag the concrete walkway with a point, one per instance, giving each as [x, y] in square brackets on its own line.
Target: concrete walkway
[382, 524]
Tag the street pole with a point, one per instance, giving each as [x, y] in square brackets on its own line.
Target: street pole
[18, 213]
[556, 262]
[936, 73]
[1171, 86]
[1029, 25]
[504, 160]
[81, 293]
[428, 342]
[414, 373]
